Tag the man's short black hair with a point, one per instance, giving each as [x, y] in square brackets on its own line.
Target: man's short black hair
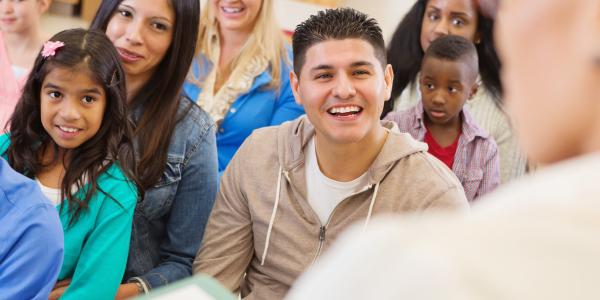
[336, 24]
[454, 48]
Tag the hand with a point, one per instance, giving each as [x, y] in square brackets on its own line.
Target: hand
[127, 290]
[59, 289]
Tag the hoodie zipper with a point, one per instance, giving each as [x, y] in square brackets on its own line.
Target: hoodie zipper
[323, 228]
[322, 234]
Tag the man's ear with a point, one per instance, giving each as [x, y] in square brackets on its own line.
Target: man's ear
[389, 81]
[294, 83]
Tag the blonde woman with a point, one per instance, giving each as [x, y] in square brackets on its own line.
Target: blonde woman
[241, 72]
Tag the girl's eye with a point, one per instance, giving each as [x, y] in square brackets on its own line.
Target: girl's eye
[54, 95]
[124, 13]
[88, 99]
[429, 86]
[452, 89]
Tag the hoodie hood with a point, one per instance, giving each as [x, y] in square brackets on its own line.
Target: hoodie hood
[294, 136]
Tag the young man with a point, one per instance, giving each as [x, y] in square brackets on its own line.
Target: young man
[31, 247]
[448, 78]
[290, 190]
[534, 239]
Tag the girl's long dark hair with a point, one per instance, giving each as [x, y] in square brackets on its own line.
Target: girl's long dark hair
[405, 54]
[158, 100]
[93, 52]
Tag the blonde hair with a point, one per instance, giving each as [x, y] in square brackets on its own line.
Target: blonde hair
[266, 39]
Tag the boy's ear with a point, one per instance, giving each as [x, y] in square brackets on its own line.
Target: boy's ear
[474, 90]
[294, 83]
[389, 81]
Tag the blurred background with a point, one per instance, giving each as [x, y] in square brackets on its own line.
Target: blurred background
[65, 14]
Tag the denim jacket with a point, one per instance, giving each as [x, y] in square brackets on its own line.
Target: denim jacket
[169, 222]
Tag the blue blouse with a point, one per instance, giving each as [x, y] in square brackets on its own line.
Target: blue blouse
[257, 108]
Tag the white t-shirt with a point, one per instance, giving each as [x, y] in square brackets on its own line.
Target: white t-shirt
[52, 194]
[323, 193]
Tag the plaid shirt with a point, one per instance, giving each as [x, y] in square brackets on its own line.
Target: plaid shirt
[476, 162]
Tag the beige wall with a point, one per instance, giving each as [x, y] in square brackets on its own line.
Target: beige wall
[387, 12]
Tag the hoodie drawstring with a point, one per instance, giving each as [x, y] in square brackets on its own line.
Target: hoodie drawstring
[278, 191]
[371, 206]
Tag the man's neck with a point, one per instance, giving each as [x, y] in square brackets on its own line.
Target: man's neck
[348, 161]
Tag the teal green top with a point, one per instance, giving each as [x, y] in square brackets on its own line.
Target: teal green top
[97, 243]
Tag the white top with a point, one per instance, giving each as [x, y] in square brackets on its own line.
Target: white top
[52, 194]
[324, 193]
[537, 238]
[18, 71]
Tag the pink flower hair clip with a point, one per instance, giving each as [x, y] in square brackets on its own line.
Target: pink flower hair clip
[50, 48]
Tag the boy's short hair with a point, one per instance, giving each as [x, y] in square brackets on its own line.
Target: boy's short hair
[454, 48]
[336, 24]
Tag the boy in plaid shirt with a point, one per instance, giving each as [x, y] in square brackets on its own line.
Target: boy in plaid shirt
[447, 80]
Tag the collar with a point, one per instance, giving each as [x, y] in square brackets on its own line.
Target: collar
[470, 129]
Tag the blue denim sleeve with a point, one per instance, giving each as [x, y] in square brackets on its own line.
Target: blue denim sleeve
[189, 213]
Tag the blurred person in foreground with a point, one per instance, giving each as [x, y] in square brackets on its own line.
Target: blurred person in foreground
[534, 239]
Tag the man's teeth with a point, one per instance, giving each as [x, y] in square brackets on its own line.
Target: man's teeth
[344, 110]
[232, 10]
[68, 129]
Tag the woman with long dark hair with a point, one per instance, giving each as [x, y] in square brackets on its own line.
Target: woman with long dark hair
[174, 138]
[430, 19]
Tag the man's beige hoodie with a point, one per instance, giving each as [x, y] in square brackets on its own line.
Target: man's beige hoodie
[262, 233]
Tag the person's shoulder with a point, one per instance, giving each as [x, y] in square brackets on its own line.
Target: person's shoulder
[4, 143]
[276, 139]
[194, 122]
[118, 185]
[403, 117]
[427, 171]
[481, 137]
[17, 192]
[289, 127]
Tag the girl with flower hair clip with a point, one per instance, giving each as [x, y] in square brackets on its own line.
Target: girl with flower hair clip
[70, 132]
